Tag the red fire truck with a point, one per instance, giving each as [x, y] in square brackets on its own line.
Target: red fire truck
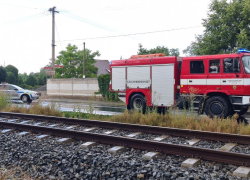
[220, 84]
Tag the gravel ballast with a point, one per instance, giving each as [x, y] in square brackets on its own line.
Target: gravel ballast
[47, 159]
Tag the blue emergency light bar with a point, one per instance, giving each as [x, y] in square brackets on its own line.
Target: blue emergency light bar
[242, 50]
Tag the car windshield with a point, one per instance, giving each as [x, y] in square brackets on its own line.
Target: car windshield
[246, 63]
[17, 87]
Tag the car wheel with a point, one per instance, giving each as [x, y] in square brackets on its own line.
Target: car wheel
[217, 106]
[138, 103]
[25, 98]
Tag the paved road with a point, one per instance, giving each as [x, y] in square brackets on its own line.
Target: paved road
[99, 107]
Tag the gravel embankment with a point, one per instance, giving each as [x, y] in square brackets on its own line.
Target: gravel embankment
[47, 159]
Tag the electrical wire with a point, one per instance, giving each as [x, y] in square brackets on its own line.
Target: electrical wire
[88, 21]
[58, 37]
[151, 32]
[24, 19]
[21, 6]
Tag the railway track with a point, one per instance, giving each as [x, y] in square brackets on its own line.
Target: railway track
[240, 159]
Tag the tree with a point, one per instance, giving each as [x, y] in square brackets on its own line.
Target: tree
[158, 49]
[11, 78]
[72, 61]
[12, 69]
[42, 78]
[226, 29]
[2, 74]
[22, 78]
[31, 80]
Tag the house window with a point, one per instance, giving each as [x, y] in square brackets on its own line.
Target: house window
[196, 67]
[214, 66]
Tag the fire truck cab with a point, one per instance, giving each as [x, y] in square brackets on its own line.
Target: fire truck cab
[219, 84]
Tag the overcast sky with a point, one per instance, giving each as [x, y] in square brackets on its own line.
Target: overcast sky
[26, 27]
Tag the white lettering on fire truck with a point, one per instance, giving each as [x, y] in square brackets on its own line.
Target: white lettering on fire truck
[138, 81]
[234, 81]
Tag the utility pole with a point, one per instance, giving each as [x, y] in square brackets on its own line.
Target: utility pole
[83, 61]
[53, 38]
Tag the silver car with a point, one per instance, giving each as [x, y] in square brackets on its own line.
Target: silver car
[18, 93]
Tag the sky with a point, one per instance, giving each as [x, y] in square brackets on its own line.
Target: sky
[115, 28]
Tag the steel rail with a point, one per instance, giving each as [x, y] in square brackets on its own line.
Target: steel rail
[207, 135]
[182, 150]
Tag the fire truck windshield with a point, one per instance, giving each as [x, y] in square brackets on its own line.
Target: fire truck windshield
[246, 63]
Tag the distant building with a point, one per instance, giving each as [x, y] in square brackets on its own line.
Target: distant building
[103, 67]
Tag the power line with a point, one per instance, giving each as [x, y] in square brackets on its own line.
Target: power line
[24, 19]
[88, 21]
[21, 6]
[151, 32]
[58, 36]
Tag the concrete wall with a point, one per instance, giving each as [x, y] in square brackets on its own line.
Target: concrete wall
[72, 86]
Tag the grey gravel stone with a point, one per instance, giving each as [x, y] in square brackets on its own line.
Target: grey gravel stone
[47, 159]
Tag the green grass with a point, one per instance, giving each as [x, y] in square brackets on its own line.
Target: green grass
[4, 101]
[173, 119]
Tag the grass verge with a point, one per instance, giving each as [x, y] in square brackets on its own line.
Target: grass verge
[173, 119]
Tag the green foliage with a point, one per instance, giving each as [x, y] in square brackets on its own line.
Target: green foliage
[13, 69]
[226, 29]
[103, 83]
[42, 78]
[11, 78]
[4, 101]
[72, 61]
[158, 49]
[31, 80]
[3, 74]
[22, 78]
[25, 86]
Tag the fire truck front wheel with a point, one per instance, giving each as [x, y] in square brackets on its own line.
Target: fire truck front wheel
[217, 106]
[138, 103]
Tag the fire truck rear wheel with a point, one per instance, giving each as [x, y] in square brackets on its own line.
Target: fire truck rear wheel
[217, 106]
[138, 102]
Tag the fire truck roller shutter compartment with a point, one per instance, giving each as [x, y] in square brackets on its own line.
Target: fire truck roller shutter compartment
[118, 78]
[163, 85]
[138, 77]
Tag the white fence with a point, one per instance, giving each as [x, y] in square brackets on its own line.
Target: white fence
[72, 86]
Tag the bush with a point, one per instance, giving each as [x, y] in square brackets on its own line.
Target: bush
[35, 87]
[103, 83]
[25, 86]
